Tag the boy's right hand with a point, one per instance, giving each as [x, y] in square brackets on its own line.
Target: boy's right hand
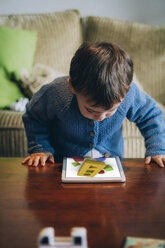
[35, 158]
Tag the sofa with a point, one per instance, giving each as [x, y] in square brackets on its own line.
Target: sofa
[59, 34]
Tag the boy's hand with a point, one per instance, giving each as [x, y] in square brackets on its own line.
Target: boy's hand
[159, 159]
[35, 158]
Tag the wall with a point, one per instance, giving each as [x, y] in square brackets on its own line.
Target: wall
[144, 11]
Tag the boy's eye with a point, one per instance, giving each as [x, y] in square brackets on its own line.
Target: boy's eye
[90, 110]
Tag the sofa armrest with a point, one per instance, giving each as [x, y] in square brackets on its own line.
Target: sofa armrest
[13, 142]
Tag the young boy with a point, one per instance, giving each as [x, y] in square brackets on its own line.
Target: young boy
[81, 114]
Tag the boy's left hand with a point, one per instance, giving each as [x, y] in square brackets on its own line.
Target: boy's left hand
[159, 159]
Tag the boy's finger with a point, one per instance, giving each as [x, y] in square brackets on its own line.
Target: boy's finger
[36, 161]
[25, 160]
[30, 161]
[43, 159]
[163, 159]
[147, 160]
[159, 162]
[51, 159]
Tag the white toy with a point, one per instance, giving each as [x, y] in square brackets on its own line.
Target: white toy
[78, 239]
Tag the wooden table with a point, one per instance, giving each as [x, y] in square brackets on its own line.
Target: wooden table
[33, 198]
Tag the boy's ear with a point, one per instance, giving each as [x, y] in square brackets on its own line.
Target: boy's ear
[71, 88]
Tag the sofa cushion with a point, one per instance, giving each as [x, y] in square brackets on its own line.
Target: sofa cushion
[40, 75]
[17, 50]
[144, 43]
[59, 35]
[9, 90]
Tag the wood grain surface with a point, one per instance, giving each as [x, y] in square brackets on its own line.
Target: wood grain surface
[34, 198]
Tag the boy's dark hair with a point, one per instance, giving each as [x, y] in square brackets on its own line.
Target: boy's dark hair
[102, 71]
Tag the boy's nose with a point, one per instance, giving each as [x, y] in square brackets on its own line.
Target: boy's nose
[100, 117]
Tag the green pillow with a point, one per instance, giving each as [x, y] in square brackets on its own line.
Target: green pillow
[17, 50]
[9, 91]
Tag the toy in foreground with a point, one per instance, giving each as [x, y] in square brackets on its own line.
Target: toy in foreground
[78, 238]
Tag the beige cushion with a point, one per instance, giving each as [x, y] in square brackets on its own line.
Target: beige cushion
[145, 44]
[140, 85]
[59, 35]
[40, 75]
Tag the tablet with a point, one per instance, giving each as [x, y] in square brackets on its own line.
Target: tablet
[112, 172]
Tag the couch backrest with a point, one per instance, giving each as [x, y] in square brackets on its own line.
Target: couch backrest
[59, 35]
[144, 43]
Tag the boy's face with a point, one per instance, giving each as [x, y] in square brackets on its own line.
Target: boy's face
[95, 113]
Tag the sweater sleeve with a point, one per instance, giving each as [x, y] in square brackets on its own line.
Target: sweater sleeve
[37, 120]
[149, 119]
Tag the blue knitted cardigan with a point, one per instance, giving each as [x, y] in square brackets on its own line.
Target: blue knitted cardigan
[53, 123]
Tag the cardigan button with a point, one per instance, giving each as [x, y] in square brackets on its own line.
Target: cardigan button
[91, 123]
[92, 134]
[91, 145]
[107, 155]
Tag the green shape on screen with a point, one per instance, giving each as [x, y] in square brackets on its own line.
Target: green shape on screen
[76, 164]
[108, 168]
